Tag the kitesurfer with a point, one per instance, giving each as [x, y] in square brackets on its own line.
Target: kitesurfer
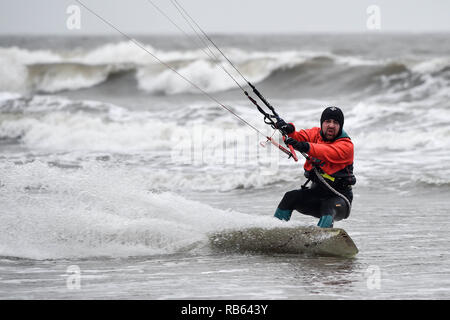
[330, 155]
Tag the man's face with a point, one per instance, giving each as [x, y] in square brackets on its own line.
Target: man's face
[330, 128]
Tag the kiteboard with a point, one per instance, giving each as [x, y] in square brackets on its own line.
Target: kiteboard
[292, 240]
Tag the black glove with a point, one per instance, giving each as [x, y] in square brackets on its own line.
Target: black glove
[286, 128]
[301, 146]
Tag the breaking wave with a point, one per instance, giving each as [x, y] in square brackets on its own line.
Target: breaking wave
[210, 152]
[292, 71]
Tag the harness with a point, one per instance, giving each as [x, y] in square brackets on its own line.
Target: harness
[322, 177]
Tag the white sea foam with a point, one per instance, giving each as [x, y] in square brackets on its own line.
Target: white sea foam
[8, 96]
[86, 68]
[57, 124]
[205, 75]
[27, 57]
[431, 65]
[49, 212]
[115, 53]
[13, 74]
[210, 151]
[210, 77]
[67, 77]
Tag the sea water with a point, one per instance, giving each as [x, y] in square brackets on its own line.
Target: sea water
[114, 170]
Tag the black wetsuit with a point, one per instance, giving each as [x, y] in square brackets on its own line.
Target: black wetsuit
[318, 201]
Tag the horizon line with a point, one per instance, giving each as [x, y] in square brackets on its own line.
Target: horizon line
[221, 33]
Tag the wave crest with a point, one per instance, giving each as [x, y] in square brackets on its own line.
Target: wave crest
[294, 71]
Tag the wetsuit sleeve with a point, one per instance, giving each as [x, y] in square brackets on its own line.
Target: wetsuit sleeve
[338, 152]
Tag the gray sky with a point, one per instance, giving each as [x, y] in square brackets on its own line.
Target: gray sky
[226, 16]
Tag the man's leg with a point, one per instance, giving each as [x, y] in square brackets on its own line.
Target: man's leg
[332, 209]
[283, 214]
[302, 200]
[326, 221]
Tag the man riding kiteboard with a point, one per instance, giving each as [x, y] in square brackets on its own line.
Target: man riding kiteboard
[329, 166]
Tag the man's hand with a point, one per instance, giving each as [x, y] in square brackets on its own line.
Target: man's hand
[301, 146]
[286, 128]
